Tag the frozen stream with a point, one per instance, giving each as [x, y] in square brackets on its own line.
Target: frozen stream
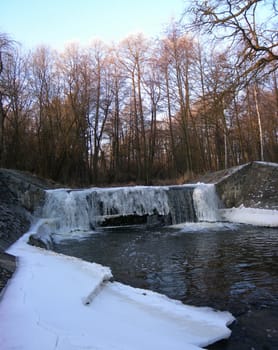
[228, 267]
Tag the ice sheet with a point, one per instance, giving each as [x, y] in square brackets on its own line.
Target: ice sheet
[43, 308]
[252, 216]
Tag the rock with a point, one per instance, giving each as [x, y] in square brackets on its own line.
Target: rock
[7, 268]
[21, 194]
[7, 261]
[14, 221]
[26, 189]
[41, 241]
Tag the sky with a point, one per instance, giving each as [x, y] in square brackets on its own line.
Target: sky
[56, 23]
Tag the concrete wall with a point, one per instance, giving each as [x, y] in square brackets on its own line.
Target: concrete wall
[253, 185]
[20, 195]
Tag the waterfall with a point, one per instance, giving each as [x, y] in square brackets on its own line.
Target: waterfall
[130, 201]
[206, 202]
[70, 209]
[83, 210]
[181, 204]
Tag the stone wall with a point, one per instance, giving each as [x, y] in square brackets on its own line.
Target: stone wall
[20, 195]
[28, 190]
[253, 185]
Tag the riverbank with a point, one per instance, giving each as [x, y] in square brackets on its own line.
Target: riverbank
[22, 194]
[7, 268]
[58, 301]
[252, 185]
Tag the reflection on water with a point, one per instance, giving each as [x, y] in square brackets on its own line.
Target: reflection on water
[231, 268]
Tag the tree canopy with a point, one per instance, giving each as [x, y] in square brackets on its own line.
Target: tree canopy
[202, 97]
[248, 27]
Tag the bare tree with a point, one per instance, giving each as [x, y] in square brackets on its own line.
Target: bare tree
[146, 110]
[179, 50]
[101, 96]
[17, 103]
[152, 86]
[134, 50]
[250, 26]
[42, 84]
[6, 48]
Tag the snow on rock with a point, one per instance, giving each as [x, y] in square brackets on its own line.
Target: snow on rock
[252, 216]
[43, 308]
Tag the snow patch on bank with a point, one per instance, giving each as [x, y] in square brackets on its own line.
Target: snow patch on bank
[267, 164]
[43, 308]
[252, 216]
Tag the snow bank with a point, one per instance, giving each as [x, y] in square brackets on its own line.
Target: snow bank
[267, 163]
[252, 216]
[43, 308]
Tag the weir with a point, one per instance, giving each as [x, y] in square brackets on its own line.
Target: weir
[83, 210]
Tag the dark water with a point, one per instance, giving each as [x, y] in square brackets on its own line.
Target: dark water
[231, 268]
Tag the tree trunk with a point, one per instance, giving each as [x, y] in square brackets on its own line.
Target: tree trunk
[2, 119]
[259, 122]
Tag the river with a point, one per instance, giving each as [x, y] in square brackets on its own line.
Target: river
[224, 266]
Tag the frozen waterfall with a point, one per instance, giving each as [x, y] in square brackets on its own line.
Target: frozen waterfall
[206, 202]
[83, 210]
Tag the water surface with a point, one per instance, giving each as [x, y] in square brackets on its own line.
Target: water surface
[228, 267]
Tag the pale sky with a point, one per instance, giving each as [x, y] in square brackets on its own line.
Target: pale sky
[58, 22]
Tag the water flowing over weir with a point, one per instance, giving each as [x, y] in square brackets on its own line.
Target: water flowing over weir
[70, 210]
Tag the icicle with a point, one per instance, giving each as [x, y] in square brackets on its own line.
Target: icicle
[82, 210]
[206, 202]
[69, 208]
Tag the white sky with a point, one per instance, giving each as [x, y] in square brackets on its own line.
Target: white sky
[57, 22]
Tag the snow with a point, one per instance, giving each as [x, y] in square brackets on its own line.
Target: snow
[205, 227]
[267, 163]
[63, 303]
[252, 216]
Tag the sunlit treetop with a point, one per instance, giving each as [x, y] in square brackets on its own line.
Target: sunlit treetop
[249, 26]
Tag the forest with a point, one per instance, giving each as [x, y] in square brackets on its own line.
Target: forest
[201, 97]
